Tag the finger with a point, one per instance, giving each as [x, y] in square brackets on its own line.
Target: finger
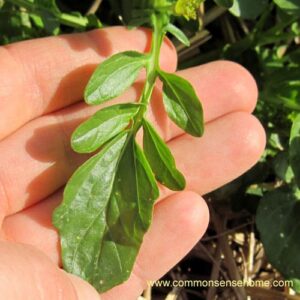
[42, 147]
[223, 87]
[29, 274]
[33, 226]
[231, 145]
[214, 160]
[183, 214]
[44, 75]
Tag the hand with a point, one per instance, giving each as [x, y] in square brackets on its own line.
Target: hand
[41, 85]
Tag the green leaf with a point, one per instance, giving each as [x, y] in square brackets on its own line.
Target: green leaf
[182, 104]
[248, 9]
[225, 3]
[295, 149]
[107, 209]
[48, 13]
[290, 6]
[161, 159]
[178, 34]
[278, 223]
[114, 76]
[49, 5]
[282, 168]
[15, 25]
[50, 23]
[93, 21]
[102, 126]
[296, 285]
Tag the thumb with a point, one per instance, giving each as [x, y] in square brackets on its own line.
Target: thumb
[27, 273]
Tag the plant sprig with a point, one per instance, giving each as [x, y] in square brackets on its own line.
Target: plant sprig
[47, 14]
[108, 202]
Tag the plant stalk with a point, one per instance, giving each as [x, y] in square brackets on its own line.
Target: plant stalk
[151, 69]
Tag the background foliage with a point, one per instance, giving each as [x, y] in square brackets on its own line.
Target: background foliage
[263, 36]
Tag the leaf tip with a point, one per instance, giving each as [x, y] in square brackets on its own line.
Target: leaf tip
[199, 131]
[181, 182]
[75, 143]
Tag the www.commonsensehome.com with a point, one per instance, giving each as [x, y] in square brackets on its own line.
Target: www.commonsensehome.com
[220, 283]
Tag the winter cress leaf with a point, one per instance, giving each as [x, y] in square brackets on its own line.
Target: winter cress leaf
[248, 9]
[114, 76]
[281, 242]
[295, 149]
[161, 159]
[290, 6]
[102, 126]
[107, 209]
[79, 218]
[108, 202]
[182, 103]
[181, 37]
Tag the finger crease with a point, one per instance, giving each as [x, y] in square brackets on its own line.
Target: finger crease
[5, 206]
[138, 273]
[64, 140]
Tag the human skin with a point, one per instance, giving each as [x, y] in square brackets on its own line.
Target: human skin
[41, 87]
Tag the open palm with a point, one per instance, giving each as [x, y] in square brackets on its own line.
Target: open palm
[41, 87]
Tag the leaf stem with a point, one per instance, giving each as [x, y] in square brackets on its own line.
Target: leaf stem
[73, 20]
[152, 68]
